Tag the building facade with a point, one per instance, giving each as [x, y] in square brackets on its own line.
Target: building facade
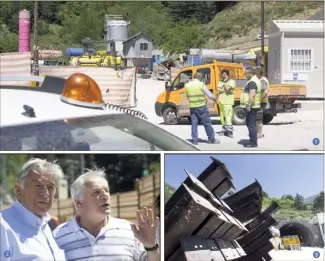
[138, 50]
[296, 54]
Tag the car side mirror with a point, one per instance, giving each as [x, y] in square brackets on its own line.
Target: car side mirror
[167, 86]
[182, 84]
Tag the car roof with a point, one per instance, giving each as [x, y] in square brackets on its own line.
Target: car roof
[47, 107]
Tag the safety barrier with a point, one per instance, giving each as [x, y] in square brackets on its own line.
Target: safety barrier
[117, 87]
[15, 64]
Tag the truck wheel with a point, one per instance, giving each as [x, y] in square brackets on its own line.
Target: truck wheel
[170, 116]
[239, 117]
[267, 118]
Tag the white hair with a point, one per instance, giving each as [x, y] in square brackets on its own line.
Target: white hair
[40, 166]
[78, 185]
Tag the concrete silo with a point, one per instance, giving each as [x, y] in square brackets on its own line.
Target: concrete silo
[117, 31]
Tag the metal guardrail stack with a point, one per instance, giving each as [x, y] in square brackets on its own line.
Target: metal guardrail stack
[200, 226]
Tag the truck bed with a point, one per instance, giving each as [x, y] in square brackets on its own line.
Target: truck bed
[277, 90]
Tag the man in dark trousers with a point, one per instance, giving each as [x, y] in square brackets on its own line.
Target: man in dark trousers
[196, 92]
[250, 99]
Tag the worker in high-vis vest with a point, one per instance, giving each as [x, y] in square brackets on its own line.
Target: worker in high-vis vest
[226, 100]
[196, 93]
[250, 99]
[264, 103]
[118, 61]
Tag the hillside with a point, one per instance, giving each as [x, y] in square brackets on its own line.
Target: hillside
[173, 26]
[290, 206]
[234, 27]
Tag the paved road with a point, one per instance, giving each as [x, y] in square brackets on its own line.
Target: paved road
[306, 254]
[289, 131]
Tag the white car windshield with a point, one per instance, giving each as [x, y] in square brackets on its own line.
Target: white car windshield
[107, 132]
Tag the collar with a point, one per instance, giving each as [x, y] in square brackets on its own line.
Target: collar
[75, 227]
[29, 217]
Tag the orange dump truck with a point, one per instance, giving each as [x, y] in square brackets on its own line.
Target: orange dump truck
[172, 104]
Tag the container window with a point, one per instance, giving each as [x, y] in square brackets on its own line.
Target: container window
[300, 60]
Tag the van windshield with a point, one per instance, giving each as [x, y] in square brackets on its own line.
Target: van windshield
[183, 77]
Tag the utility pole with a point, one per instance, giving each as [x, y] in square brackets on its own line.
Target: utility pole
[36, 66]
[262, 34]
[82, 162]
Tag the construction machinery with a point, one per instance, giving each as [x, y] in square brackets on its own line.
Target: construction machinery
[100, 58]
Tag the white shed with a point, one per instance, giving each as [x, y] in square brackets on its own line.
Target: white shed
[296, 54]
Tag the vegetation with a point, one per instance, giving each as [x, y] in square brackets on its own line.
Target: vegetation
[290, 206]
[241, 23]
[173, 26]
[121, 169]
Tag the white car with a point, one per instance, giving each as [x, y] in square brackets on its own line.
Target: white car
[70, 115]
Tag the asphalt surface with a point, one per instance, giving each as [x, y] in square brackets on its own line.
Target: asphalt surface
[306, 254]
[288, 131]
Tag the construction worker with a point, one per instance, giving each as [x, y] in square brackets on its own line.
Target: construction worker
[250, 99]
[264, 103]
[196, 92]
[226, 102]
[118, 60]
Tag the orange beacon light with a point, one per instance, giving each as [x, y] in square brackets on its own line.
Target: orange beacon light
[82, 90]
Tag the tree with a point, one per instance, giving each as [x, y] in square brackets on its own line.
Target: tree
[318, 203]
[169, 191]
[288, 197]
[264, 194]
[13, 163]
[8, 40]
[299, 202]
[121, 169]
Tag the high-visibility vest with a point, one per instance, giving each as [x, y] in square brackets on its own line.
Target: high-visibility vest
[195, 93]
[229, 97]
[118, 60]
[244, 97]
[265, 99]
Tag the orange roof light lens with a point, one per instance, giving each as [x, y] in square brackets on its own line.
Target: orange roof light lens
[80, 89]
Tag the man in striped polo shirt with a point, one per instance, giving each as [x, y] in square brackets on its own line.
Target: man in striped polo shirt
[95, 235]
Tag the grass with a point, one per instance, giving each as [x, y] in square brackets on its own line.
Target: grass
[287, 210]
[241, 23]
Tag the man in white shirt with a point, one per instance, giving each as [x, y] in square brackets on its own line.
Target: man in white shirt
[95, 235]
[24, 229]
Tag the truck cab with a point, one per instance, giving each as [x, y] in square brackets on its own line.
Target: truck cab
[172, 104]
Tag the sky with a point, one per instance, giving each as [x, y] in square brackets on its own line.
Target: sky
[278, 174]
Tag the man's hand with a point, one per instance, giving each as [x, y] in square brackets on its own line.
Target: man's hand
[145, 231]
